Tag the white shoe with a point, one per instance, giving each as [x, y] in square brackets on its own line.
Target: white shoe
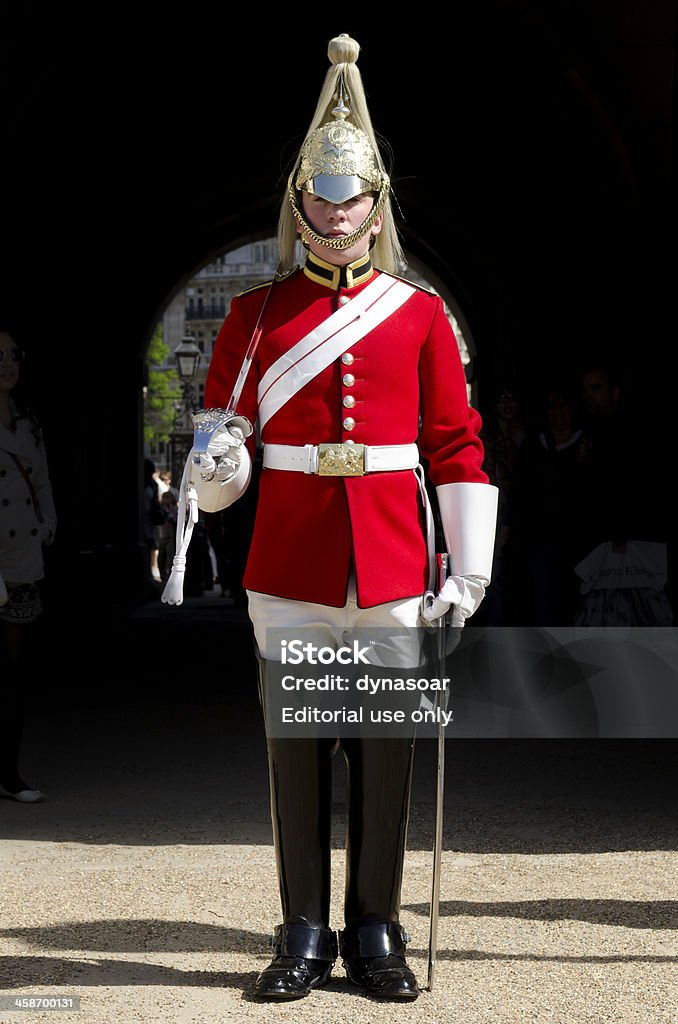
[25, 796]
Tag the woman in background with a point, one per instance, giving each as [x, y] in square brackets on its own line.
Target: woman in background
[27, 522]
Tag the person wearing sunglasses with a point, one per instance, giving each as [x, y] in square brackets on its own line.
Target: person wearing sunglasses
[27, 522]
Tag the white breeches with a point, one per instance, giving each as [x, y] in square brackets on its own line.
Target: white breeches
[391, 629]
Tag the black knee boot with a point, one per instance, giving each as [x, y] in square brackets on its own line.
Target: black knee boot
[301, 807]
[372, 945]
[304, 957]
[374, 958]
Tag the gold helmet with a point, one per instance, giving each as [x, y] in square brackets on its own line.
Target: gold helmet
[338, 162]
[340, 159]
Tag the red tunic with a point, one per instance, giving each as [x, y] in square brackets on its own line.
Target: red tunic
[409, 385]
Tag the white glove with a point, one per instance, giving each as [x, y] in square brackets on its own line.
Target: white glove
[224, 454]
[462, 594]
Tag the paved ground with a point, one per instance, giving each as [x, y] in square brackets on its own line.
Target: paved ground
[146, 888]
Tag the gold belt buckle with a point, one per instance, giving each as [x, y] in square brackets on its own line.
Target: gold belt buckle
[341, 460]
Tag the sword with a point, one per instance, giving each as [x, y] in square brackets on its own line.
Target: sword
[442, 565]
[251, 349]
[208, 421]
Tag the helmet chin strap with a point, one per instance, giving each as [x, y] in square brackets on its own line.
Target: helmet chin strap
[346, 241]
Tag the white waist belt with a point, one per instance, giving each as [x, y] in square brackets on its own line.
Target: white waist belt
[341, 459]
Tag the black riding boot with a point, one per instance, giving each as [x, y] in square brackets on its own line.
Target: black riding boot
[372, 944]
[304, 957]
[374, 958]
[301, 808]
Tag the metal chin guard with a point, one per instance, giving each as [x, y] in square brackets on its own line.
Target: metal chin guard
[346, 241]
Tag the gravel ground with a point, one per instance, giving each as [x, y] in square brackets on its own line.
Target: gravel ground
[145, 885]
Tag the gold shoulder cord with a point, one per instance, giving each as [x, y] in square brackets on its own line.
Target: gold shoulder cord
[253, 288]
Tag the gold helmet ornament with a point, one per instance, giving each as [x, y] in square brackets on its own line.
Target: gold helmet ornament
[339, 160]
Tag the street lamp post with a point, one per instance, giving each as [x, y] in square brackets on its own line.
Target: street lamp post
[187, 356]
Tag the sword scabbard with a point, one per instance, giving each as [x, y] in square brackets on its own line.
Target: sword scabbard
[442, 564]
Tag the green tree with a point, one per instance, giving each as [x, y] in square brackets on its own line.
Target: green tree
[163, 391]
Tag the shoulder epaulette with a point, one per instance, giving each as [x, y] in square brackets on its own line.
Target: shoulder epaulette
[253, 288]
[280, 276]
[415, 284]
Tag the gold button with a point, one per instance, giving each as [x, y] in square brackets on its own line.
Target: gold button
[343, 299]
[349, 423]
[347, 358]
[348, 379]
[349, 401]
